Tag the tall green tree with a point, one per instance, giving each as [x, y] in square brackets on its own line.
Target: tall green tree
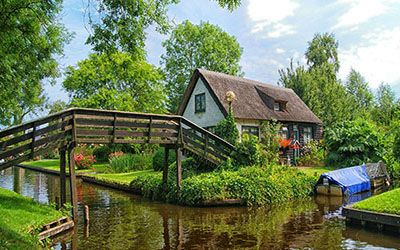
[115, 81]
[197, 46]
[358, 88]
[386, 106]
[31, 37]
[316, 83]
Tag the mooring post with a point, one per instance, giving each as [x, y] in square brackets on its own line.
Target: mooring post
[72, 182]
[165, 170]
[63, 178]
[178, 167]
[86, 214]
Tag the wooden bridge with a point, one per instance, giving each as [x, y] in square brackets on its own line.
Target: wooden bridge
[66, 129]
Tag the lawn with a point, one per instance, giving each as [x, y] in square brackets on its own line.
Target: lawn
[124, 178]
[19, 217]
[315, 171]
[55, 165]
[388, 202]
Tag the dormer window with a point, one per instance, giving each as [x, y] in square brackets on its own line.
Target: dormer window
[279, 106]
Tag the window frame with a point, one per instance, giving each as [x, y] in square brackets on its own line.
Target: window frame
[307, 135]
[201, 99]
[250, 127]
[277, 106]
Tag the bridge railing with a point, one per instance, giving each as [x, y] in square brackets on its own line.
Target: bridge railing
[35, 138]
[90, 126]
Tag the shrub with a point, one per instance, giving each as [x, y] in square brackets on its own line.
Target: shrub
[312, 154]
[102, 153]
[269, 142]
[247, 152]
[253, 185]
[130, 162]
[158, 158]
[354, 142]
[84, 161]
[227, 130]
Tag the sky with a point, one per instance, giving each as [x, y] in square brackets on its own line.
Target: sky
[272, 33]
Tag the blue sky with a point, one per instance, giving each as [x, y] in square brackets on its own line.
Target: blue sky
[273, 32]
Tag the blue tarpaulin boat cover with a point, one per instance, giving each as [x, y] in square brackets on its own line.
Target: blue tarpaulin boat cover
[352, 180]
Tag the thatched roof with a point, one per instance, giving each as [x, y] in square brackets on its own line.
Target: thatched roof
[254, 100]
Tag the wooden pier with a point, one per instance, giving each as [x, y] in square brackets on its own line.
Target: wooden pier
[369, 219]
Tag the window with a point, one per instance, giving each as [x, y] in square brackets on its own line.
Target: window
[277, 106]
[307, 134]
[284, 133]
[200, 103]
[251, 130]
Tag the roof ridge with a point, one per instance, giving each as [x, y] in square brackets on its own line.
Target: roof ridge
[247, 80]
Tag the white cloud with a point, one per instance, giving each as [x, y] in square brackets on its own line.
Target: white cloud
[360, 11]
[280, 50]
[378, 61]
[279, 30]
[270, 14]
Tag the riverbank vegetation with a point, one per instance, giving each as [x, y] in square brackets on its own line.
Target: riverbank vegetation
[388, 202]
[20, 220]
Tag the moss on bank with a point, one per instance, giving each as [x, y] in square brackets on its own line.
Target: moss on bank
[20, 220]
[388, 202]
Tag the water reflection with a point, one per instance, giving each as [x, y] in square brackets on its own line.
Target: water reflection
[122, 221]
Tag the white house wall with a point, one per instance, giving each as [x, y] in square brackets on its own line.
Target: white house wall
[211, 116]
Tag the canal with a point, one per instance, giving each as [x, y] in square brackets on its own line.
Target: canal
[119, 220]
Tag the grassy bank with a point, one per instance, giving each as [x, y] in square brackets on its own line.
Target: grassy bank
[55, 166]
[125, 178]
[388, 202]
[20, 219]
[315, 171]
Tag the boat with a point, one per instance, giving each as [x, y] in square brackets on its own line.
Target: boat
[352, 180]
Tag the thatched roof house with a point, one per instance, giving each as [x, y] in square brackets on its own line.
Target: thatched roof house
[205, 103]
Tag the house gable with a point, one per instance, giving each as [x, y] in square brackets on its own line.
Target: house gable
[212, 113]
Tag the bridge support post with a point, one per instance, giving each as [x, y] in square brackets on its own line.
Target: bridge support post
[165, 170]
[72, 182]
[63, 187]
[178, 167]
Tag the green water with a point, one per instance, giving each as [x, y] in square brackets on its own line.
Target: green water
[122, 221]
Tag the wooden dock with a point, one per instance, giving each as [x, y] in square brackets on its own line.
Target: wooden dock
[56, 227]
[378, 221]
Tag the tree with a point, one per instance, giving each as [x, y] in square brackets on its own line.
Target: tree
[229, 4]
[56, 106]
[322, 50]
[316, 83]
[358, 88]
[122, 24]
[30, 38]
[227, 130]
[197, 46]
[385, 109]
[115, 81]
